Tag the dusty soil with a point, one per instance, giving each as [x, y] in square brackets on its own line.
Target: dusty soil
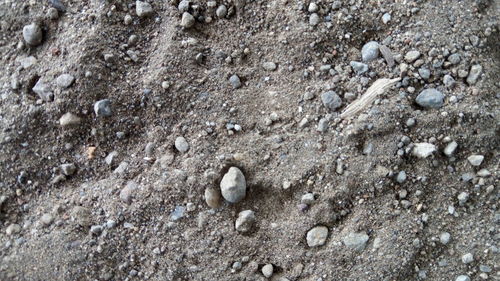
[172, 81]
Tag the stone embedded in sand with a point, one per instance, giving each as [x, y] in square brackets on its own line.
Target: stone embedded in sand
[143, 9]
[317, 236]
[13, 229]
[69, 119]
[245, 221]
[356, 241]
[268, 270]
[423, 150]
[430, 98]
[102, 108]
[65, 80]
[181, 144]
[233, 185]
[475, 160]
[213, 197]
[32, 34]
[370, 51]
[187, 20]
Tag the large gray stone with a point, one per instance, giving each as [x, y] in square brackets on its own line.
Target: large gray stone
[370, 51]
[331, 100]
[233, 185]
[32, 34]
[430, 98]
[356, 240]
[317, 236]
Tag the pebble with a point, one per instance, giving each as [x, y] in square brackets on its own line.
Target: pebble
[356, 240]
[463, 197]
[58, 5]
[430, 98]
[387, 54]
[68, 169]
[47, 219]
[322, 125]
[143, 9]
[177, 213]
[467, 258]
[235, 81]
[233, 185]
[269, 66]
[81, 215]
[474, 74]
[187, 20]
[401, 177]
[485, 268]
[183, 6]
[484, 173]
[268, 270]
[463, 278]
[308, 96]
[386, 18]
[475, 160]
[43, 90]
[110, 158]
[64, 80]
[331, 100]
[359, 67]
[13, 229]
[450, 148]
[221, 11]
[313, 7]
[423, 150]
[317, 236]
[181, 144]
[424, 73]
[69, 119]
[213, 197]
[314, 19]
[245, 221]
[32, 34]
[448, 81]
[370, 51]
[102, 108]
[444, 238]
[127, 192]
[127, 20]
[96, 229]
[307, 199]
[412, 56]
[454, 59]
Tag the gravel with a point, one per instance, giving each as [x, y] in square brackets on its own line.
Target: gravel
[423, 150]
[143, 9]
[463, 278]
[474, 74]
[356, 240]
[187, 20]
[463, 197]
[64, 80]
[233, 185]
[370, 51]
[475, 160]
[317, 236]
[44, 91]
[102, 108]
[13, 229]
[450, 148]
[430, 98]
[32, 34]
[412, 56]
[245, 221]
[359, 67]
[235, 82]
[221, 11]
[401, 177]
[69, 119]
[467, 258]
[331, 100]
[314, 19]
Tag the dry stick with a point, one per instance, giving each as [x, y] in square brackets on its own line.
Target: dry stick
[377, 88]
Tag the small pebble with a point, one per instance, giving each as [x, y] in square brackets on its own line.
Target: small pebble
[317, 236]
[245, 221]
[233, 185]
[467, 258]
[32, 34]
[430, 98]
[331, 100]
[475, 160]
[356, 240]
[444, 238]
[268, 270]
[235, 82]
[370, 51]
[181, 144]
[412, 56]
[187, 20]
[102, 108]
[143, 9]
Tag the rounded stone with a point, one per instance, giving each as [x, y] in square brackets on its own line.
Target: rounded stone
[13, 229]
[356, 241]
[213, 197]
[143, 9]
[221, 11]
[317, 236]
[331, 100]
[187, 20]
[64, 80]
[370, 51]
[102, 108]
[463, 278]
[444, 238]
[233, 185]
[268, 270]
[235, 81]
[475, 160]
[32, 34]
[181, 144]
[430, 98]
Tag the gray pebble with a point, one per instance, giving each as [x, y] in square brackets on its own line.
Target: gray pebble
[245, 221]
[68, 169]
[450, 149]
[475, 160]
[143, 9]
[430, 98]
[386, 18]
[387, 54]
[359, 67]
[313, 7]
[110, 224]
[43, 90]
[423, 150]
[370, 51]
[485, 268]
[307, 199]
[474, 74]
[127, 193]
[424, 73]
[410, 122]
[181, 144]
[111, 158]
[463, 278]
[187, 20]
[65, 80]
[401, 177]
[69, 119]
[467, 258]
[356, 240]
[268, 270]
[454, 59]
[235, 82]
[448, 81]
[314, 19]
[331, 100]
[444, 238]
[233, 185]
[96, 229]
[213, 197]
[317, 236]
[32, 34]
[221, 11]
[102, 108]
[269, 66]
[322, 125]
[412, 56]
[463, 197]
[47, 219]
[183, 6]
[12, 229]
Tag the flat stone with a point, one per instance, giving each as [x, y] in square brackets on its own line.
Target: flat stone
[69, 119]
[127, 193]
[463, 278]
[143, 9]
[32, 34]
[356, 240]
[387, 54]
[475, 160]
[430, 98]
[245, 221]
[474, 74]
[68, 169]
[423, 150]
[233, 185]
[317, 236]
[331, 100]
[370, 51]
[65, 80]
[181, 144]
[46, 219]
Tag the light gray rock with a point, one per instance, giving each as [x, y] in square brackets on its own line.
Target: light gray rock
[221, 11]
[235, 81]
[356, 240]
[187, 20]
[181, 144]
[69, 119]
[425, 73]
[450, 148]
[233, 185]
[307, 199]
[268, 270]
[475, 160]
[359, 67]
[322, 125]
[44, 91]
[386, 18]
[454, 59]
[313, 7]
[32, 34]
[314, 19]
[412, 56]
[467, 258]
[448, 81]
[444, 238]
[183, 6]
[102, 108]
[12, 229]
[143, 9]
[387, 54]
[96, 229]
[463, 278]
[401, 177]
[463, 197]
[68, 169]
[331, 100]
[317, 236]
[474, 74]
[269, 66]
[46, 219]
[111, 158]
[127, 193]
[430, 98]
[64, 80]
[245, 221]
[423, 150]
[370, 51]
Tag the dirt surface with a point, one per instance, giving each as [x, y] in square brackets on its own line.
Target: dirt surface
[70, 211]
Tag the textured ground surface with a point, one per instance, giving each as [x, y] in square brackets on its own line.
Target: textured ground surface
[166, 81]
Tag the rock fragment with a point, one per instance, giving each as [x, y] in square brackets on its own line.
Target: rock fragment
[450, 148]
[269, 66]
[444, 238]
[64, 80]
[143, 9]
[221, 11]
[359, 67]
[102, 108]
[331, 100]
[245, 221]
[235, 81]
[356, 240]
[13, 229]
[268, 270]
[463, 278]
[423, 150]
[43, 90]
[317, 236]
[474, 74]
[233, 185]
[32, 34]
[181, 144]
[127, 193]
[370, 51]
[213, 197]
[475, 160]
[430, 98]
[412, 56]
[387, 54]
[187, 20]
[69, 119]
[68, 169]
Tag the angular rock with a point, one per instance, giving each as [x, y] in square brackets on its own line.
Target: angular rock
[268, 270]
[317, 236]
[423, 150]
[68, 169]
[143, 9]
[475, 160]
[233, 185]
[81, 215]
[187, 20]
[430, 98]
[32, 34]
[412, 56]
[235, 81]
[474, 74]
[245, 221]
[387, 54]
[450, 148]
[69, 119]
[43, 90]
[13, 229]
[127, 193]
[110, 158]
[64, 80]
[331, 100]
[359, 67]
[356, 241]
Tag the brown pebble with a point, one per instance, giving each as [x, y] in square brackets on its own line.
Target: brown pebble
[213, 197]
